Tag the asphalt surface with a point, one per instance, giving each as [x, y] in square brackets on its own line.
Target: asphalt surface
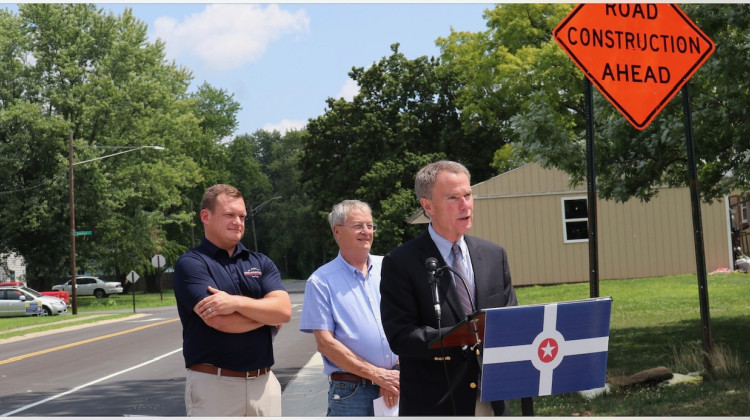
[306, 394]
[299, 369]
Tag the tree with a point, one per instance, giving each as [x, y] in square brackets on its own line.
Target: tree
[509, 157]
[404, 111]
[267, 166]
[72, 69]
[503, 68]
[517, 64]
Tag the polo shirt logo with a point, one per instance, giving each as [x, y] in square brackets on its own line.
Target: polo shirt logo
[253, 272]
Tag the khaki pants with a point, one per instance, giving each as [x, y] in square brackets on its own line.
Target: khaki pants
[208, 395]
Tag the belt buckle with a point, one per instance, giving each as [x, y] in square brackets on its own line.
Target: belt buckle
[252, 374]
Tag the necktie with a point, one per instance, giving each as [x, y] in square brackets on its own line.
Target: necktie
[458, 265]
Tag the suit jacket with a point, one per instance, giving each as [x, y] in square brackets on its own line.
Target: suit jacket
[410, 323]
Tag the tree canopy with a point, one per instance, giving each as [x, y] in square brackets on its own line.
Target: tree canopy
[492, 100]
[72, 69]
[369, 148]
[516, 72]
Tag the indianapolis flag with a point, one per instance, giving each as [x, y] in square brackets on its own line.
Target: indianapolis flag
[545, 349]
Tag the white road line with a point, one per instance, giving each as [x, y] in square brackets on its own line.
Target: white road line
[80, 387]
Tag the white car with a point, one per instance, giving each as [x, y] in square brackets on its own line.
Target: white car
[20, 301]
[91, 286]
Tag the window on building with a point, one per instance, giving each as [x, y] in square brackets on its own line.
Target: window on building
[575, 219]
[743, 209]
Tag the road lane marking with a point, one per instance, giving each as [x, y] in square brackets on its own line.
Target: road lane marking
[148, 320]
[79, 343]
[94, 382]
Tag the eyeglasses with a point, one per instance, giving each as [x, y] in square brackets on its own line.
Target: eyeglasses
[359, 227]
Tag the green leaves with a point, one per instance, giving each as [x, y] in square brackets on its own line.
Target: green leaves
[71, 68]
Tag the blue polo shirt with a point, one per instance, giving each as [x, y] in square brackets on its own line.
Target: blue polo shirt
[245, 273]
[340, 299]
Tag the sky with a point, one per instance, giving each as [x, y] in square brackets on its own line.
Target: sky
[282, 61]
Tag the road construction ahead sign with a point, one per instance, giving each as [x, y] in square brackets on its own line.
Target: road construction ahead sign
[638, 55]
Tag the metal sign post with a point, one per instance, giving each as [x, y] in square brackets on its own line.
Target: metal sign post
[700, 254]
[159, 261]
[132, 278]
[639, 56]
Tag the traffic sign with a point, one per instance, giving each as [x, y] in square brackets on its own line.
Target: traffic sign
[158, 261]
[638, 55]
[132, 276]
[83, 233]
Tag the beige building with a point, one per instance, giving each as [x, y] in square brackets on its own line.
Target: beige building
[542, 223]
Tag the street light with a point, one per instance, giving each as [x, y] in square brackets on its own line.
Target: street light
[255, 211]
[71, 164]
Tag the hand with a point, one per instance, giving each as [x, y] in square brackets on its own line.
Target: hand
[389, 398]
[219, 303]
[388, 381]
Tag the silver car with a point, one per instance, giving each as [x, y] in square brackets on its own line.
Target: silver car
[91, 286]
[21, 301]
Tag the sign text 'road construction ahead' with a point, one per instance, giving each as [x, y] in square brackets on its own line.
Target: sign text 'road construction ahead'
[638, 55]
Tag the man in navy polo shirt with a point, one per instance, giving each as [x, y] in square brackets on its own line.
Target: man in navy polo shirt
[231, 301]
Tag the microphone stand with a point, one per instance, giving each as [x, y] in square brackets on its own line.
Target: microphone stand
[474, 321]
[432, 268]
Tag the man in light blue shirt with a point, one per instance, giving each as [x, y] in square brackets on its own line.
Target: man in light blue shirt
[342, 310]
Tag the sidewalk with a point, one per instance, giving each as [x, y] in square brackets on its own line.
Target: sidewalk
[307, 394]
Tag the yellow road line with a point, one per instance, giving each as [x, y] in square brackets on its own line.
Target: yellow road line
[78, 343]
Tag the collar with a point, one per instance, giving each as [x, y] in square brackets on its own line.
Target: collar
[353, 269]
[210, 249]
[445, 246]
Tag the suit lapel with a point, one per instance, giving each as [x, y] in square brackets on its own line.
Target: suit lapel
[480, 276]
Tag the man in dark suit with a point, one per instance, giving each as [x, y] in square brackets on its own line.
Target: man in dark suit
[442, 381]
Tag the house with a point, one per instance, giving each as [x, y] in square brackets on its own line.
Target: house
[12, 268]
[542, 224]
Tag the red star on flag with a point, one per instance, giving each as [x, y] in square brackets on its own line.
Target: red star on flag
[547, 350]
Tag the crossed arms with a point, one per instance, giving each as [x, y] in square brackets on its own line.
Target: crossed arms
[238, 314]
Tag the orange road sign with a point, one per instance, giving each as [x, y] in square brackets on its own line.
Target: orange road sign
[638, 55]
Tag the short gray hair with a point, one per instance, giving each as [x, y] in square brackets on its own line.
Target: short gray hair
[340, 211]
[426, 177]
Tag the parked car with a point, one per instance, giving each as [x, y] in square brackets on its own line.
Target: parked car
[21, 300]
[91, 286]
[64, 296]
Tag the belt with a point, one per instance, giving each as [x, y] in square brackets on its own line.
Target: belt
[250, 374]
[350, 377]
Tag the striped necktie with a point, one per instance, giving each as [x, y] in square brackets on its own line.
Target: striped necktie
[458, 265]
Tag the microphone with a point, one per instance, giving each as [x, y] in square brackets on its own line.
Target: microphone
[432, 266]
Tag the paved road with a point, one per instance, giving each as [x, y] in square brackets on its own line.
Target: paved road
[135, 368]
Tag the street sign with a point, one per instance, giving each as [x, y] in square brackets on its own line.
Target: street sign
[132, 276]
[83, 233]
[638, 55]
[158, 261]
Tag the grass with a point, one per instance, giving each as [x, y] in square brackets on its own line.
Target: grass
[656, 322]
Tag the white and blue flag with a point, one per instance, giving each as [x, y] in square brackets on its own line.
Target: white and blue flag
[545, 349]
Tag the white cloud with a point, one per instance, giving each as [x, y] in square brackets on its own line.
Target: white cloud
[285, 126]
[349, 90]
[227, 36]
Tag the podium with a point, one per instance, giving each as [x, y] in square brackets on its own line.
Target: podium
[537, 350]
[469, 332]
